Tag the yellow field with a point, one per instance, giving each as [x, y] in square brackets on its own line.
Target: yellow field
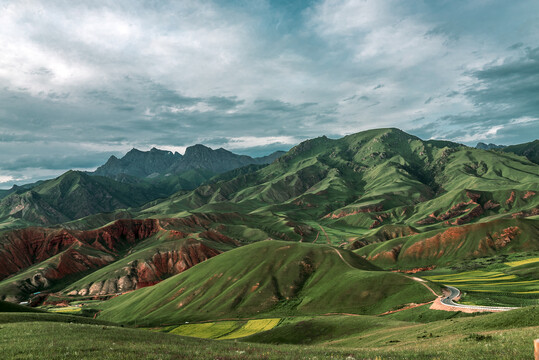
[252, 327]
[522, 262]
[487, 281]
[67, 309]
[222, 330]
[211, 330]
[476, 275]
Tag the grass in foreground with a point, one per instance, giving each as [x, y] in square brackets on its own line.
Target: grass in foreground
[501, 336]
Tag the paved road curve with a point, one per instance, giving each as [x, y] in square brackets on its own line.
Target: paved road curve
[448, 300]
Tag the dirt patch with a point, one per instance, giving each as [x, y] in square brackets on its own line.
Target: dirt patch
[416, 270]
[528, 195]
[511, 199]
[343, 213]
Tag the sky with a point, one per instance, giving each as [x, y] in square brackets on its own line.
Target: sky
[80, 80]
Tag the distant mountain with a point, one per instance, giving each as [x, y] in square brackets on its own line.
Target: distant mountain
[19, 189]
[139, 163]
[491, 146]
[132, 181]
[155, 163]
[71, 196]
[529, 150]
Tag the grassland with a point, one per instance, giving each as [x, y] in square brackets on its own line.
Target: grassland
[268, 279]
[501, 336]
[399, 202]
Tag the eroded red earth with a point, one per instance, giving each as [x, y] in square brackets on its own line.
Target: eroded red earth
[65, 252]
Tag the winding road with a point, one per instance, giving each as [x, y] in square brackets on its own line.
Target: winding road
[454, 293]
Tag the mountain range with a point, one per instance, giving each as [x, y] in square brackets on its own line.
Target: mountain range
[382, 195]
[530, 150]
[156, 163]
[132, 181]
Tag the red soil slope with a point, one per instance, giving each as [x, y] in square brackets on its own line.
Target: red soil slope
[75, 253]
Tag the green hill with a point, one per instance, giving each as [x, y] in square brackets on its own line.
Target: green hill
[453, 244]
[400, 201]
[125, 254]
[268, 277]
[529, 150]
[372, 178]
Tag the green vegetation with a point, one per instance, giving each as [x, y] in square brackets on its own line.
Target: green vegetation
[529, 150]
[9, 307]
[267, 279]
[450, 246]
[498, 282]
[501, 335]
[307, 243]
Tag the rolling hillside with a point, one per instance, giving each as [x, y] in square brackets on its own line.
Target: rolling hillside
[367, 180]
[124, 255]
[269, 277]
[399, 201]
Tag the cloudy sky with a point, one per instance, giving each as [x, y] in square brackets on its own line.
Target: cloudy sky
[82, 80]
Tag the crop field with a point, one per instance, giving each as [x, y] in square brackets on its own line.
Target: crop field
[224, 330]
[252, 327]
[522, 262]
[481, 287]
[66, 309]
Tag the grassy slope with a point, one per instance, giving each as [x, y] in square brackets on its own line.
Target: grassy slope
[64, 340]
[372, 179]
[9, 307]
[501, 335]
[269, 277]
[529, 150]
[504, 335]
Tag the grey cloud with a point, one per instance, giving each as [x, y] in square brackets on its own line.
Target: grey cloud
[192, 72]
[515, 84]
[279, 106]
[166, 96]
[516, 46]
[224, 103]
[56, 162]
